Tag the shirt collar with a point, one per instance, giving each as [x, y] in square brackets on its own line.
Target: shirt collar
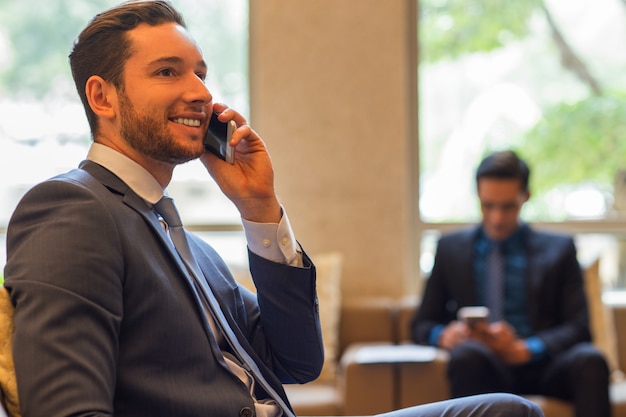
[134, 175]
[484, 244]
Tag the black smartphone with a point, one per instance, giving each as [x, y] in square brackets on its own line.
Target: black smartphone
[217, 138]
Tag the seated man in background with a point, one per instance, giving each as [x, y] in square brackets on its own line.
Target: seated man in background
[537, 338]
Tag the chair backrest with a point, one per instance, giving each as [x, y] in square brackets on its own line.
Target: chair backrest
[601, 320]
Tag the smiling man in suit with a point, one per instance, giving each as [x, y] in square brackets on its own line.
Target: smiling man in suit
[109, 319]
[118, 310]
[537, 338]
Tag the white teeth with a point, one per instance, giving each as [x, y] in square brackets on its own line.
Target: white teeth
[188, 122]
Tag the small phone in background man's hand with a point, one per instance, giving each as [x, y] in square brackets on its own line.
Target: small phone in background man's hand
[217, 138]
[473, 315]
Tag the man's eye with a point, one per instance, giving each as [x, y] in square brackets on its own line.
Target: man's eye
[166, 72]
[509, 206]
[202, 76]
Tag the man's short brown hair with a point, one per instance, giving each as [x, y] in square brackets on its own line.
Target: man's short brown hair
[103, 47]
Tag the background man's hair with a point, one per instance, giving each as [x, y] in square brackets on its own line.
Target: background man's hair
[504, 165]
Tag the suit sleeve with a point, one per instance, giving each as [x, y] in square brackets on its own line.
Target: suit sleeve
[434, 308]
[279, 324]
[289, 319]
[62, 281]
[562, 318]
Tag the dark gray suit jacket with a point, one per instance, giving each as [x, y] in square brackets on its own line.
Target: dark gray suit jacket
[557, 305]
[106, 321]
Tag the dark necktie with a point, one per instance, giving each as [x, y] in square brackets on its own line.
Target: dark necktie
[495, 282]
[166, 208]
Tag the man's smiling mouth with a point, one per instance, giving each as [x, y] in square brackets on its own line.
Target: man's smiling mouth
[187, 122]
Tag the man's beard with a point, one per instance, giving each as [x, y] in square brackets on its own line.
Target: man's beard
[151, 137]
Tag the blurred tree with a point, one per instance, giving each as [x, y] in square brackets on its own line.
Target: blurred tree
[39, 36]
[452, 28]
[576, 142]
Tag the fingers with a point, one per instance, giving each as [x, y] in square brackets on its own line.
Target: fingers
[243, 131]
[225, 114]
[502, 328]
[453, 334]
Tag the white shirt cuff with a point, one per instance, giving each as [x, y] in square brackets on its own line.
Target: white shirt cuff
[273, 241]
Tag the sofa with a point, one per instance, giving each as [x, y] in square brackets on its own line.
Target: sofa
[377, 369]
[370, 366]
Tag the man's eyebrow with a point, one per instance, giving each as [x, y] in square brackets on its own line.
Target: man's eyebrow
[166, 60]
[175, 60]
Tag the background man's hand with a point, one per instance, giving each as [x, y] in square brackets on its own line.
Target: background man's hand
[453, 334]
[500, 337]
[505, 343]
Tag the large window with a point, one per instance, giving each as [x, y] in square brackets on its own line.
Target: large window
[43, 128]
[543, 77]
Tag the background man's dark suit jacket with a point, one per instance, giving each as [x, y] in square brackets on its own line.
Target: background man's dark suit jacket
[106, 319]
[557, 305]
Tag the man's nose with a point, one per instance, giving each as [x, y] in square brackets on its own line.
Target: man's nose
[197, 91]
[497, 214]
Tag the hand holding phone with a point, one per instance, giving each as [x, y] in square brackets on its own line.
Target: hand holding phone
[217, 138]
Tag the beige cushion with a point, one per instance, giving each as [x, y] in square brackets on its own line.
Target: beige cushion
[328, 270]
[7, 370]
[601, 318]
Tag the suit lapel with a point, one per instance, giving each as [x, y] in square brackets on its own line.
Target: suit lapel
[465, 253]
[534, 259]
[131, 199]
[138, 204]
[534, 280]
[92, 172]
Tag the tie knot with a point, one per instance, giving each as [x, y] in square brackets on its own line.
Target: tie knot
[166, 208]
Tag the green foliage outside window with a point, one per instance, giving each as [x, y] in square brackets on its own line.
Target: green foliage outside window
[40, 36]
[584, 140]
[452, 28]
[578, 138]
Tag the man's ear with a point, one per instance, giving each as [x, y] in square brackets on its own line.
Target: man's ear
[102, 97]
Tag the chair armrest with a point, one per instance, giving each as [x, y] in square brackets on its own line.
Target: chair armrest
[365, 320]
[423, 382]
[366, 388]
[380, 377]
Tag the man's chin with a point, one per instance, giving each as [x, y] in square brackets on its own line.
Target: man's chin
[184, 159]
[182, 156]
[191, 151]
